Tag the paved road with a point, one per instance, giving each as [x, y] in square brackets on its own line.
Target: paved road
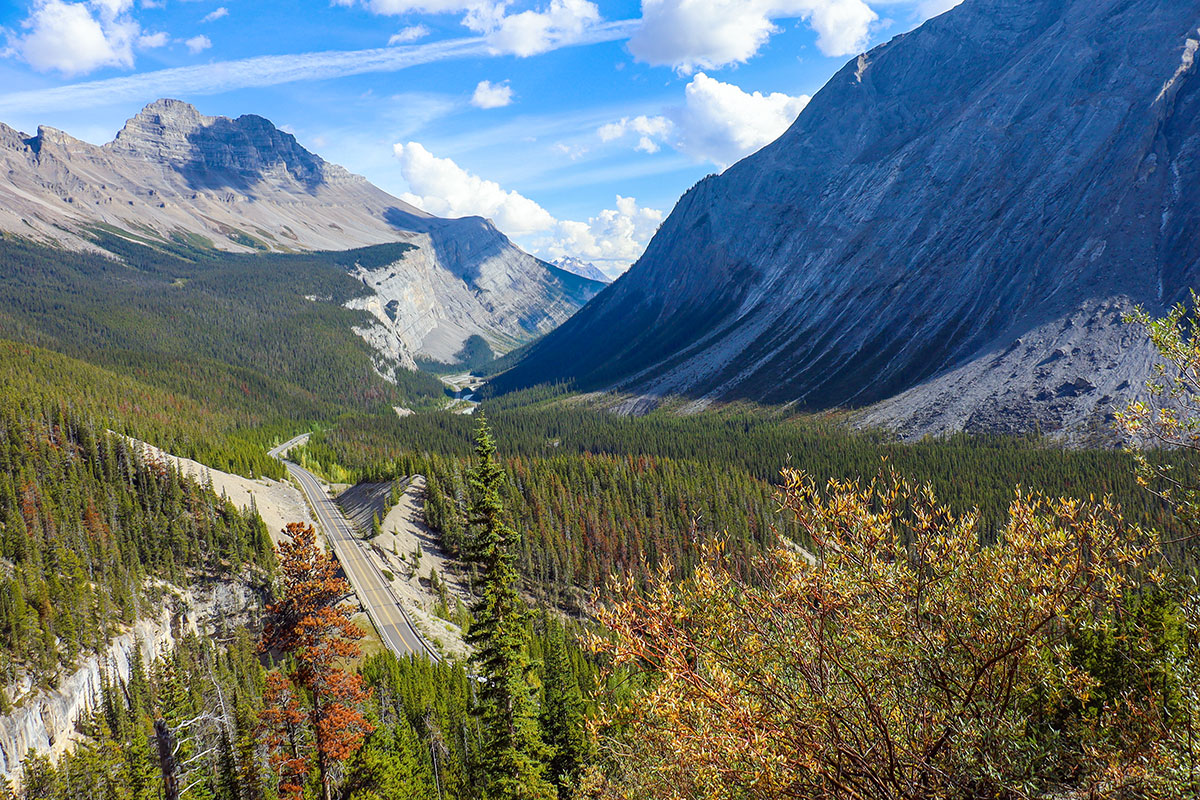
[385, 610]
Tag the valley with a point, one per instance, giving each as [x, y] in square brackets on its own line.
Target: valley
[872, 477]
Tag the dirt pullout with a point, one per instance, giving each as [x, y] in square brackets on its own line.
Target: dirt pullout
[278, 503]
[394, 550]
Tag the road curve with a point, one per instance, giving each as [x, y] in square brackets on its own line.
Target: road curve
[395, 627]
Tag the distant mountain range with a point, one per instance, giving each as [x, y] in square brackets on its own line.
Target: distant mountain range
[174, 178]
[946, 237]
[584, 269]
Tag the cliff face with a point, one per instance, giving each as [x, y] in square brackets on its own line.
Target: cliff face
[45, 721]
[175, 176]
[933, 233]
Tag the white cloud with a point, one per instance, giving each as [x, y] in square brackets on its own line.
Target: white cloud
[148, 41]
[442, 187]
[410, 34]
[706, 34]
[718, 122]
[523, 34]
[646, 127]
[223, 76]
[75, 38]
[492, 95]
[613, 238]
[198, 43]
[216, 14]
[531, 32]
[721, 123]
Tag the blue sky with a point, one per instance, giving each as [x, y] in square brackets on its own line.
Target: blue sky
[574, 125]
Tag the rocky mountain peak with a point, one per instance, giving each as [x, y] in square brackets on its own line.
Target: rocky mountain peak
[216, 152]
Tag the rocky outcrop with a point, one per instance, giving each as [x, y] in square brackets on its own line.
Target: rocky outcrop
[44, 721]
[173, 176]
[951, 211]
[461, 278]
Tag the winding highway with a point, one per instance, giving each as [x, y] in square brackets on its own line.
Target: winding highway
[395, 627]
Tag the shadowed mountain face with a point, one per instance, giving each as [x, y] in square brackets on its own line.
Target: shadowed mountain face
[933, 233]
[175, 177]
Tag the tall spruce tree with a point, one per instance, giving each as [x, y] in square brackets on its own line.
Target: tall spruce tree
[513, 751]
[563, 725]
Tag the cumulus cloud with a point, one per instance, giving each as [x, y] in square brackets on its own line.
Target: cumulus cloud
[648, 131]
[531, 32]
[198, 43]
[492, 95]
[216, 14]
[76, 38]
[721, 123]
[442, 187]
[612, 239]
[410, 34]
[148, 41]
[707, 34]
[718, 122]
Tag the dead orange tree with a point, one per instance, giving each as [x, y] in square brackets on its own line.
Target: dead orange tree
[908, 659]
[311, 706]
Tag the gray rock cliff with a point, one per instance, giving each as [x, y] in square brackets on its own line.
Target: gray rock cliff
[947, 234]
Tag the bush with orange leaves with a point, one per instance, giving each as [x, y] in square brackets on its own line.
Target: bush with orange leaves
[311, 713]
[904, 658]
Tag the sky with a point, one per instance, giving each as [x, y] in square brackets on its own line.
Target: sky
[573, 125]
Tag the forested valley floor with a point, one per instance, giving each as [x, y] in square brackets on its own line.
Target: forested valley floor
[741, 602]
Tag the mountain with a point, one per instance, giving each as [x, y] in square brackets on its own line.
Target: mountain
[947, 235]
[584, 269]
[174, 177]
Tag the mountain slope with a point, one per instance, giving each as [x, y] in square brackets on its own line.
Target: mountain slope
[174, 177]
[578, 266]
[952, 211]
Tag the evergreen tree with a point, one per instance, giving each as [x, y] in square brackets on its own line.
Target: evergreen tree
[563, 724]
[389, 765]
[513, 750]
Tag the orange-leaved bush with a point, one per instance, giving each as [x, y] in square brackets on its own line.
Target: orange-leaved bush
[903, 658]
[311, 706]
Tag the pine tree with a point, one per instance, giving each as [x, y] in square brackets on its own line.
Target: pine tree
[563, 724]
[389, 765]
[314, 700]
[513, 751]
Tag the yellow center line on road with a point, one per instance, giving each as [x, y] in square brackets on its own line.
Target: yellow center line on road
[387, 614]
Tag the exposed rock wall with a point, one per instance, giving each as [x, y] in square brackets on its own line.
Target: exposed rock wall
[1002, 174]
[44, 721]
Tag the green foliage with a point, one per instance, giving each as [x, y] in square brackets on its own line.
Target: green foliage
[434, 700]
[235, 335]
[513, 752]
[85, 521]
[390, 765]
[208, 696]
[562, 714]
[176, 423]
[597, 495]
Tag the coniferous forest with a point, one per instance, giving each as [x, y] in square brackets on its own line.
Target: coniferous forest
[731, 603]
